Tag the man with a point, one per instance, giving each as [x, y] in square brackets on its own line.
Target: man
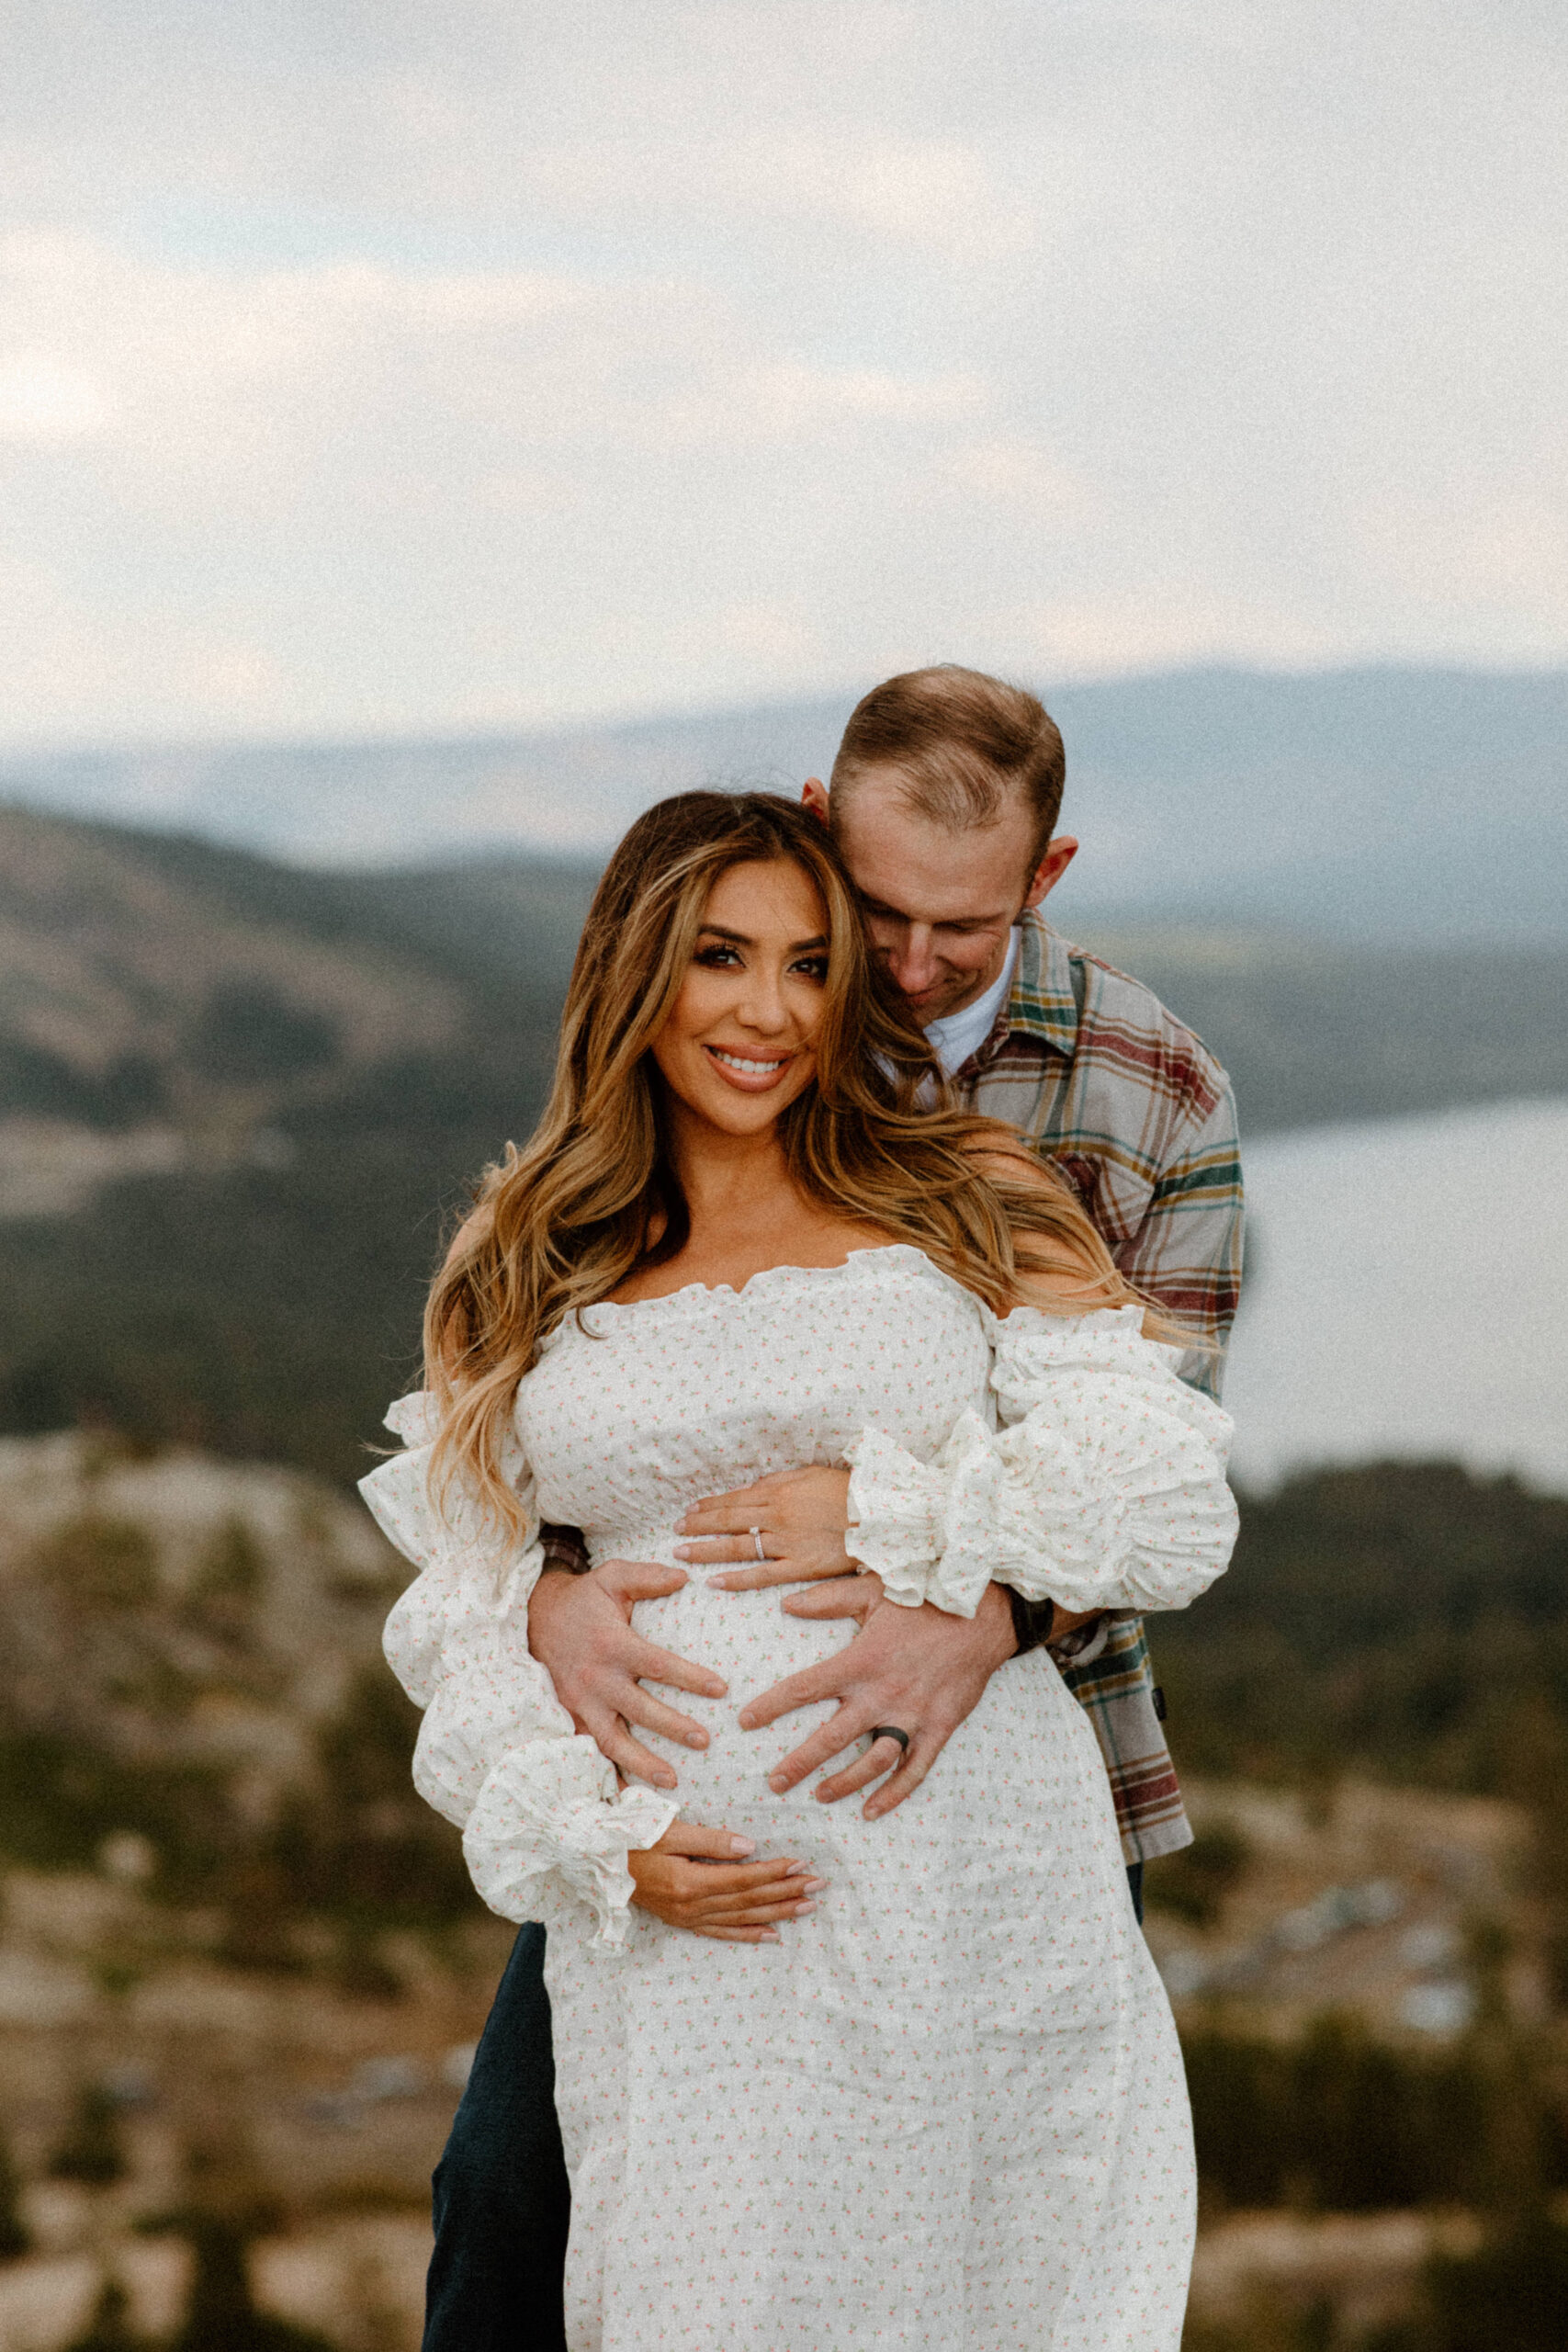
[944, 800]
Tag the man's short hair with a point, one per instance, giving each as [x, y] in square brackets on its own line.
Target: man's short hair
[962, 744]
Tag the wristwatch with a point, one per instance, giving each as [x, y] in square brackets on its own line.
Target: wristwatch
[1030, 1621]
[1032, 1628]
[563, 1547]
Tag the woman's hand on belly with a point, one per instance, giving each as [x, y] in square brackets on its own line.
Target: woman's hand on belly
[688, 1881]
[797, 1518]
[579, 1629]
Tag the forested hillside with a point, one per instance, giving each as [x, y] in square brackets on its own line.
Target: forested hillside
[237, 1104]
[1402, 1619]
[237, 1100]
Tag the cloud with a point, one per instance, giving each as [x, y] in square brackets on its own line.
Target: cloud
[42, 401]
[1161, 629]
[151, 662]
[1022, 479]
[432, 364]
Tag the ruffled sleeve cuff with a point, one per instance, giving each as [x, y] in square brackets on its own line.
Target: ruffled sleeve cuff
[497, 1752]
[895, 1515]
[1104, 1488]
[555, 1805]
[923, 1525]
[475, 1580]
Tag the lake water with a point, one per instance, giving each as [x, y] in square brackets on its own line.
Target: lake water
[1408, 1295]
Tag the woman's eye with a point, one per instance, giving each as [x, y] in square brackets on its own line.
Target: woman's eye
[715, 958]
[814, 967]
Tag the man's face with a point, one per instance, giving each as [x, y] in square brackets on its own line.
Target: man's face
[939, 905]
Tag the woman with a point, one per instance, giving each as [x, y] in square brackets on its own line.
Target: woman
[942, 2105]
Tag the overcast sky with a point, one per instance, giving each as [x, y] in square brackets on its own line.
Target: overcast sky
[407, 365]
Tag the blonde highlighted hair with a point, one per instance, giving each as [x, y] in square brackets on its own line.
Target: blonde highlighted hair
[595, 1193]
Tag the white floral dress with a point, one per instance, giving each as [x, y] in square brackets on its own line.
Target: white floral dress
[946, 2113]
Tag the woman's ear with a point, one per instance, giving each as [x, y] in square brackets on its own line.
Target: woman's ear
[814, 796]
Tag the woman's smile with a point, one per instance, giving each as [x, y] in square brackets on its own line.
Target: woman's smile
[752, 1073]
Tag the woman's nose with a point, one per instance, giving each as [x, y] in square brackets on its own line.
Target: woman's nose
[763, 1007]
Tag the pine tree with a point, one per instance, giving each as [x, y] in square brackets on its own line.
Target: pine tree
[93, 2150]
[15, 2236]
[221, 2315]
[110, 2329]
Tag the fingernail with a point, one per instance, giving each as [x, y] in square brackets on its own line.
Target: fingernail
[804, 1910]
[797, 1870]
[771, 1936]
[682, 1551]
[816, 1886]
[697, 1739]
[777, 1782]
[742, 1846]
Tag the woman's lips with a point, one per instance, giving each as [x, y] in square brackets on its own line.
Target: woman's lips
[750, 1073]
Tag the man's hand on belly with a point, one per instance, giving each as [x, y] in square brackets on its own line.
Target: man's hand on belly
[579, 1629]
[920, 1669]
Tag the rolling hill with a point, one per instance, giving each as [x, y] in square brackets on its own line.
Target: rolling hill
[237, 1099]
[234, 1101]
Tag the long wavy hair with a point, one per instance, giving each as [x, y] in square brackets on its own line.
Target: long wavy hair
[595, 1193]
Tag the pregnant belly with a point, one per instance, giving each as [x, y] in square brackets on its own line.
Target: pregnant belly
[745, 1637]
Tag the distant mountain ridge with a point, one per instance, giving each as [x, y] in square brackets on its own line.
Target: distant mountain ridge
[1393, 804]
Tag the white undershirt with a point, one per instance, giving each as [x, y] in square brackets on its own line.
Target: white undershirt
[955, 1037]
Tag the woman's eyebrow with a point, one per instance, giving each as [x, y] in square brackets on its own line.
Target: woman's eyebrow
[742, 939]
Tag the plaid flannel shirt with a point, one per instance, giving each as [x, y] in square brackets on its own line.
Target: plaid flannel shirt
[1139, 1117]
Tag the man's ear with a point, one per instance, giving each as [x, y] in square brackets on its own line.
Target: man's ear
[814, 796]
[1060, 852]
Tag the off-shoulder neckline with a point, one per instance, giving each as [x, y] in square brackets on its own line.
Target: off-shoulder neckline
[766, 1275]
[892, 1255]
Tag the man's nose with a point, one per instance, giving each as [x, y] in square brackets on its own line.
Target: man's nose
[911, 960]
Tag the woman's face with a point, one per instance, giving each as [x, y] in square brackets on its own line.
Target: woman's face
[739, 1042]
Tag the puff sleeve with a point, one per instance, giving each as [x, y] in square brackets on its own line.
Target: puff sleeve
[1102, 1486]
[496, 1752]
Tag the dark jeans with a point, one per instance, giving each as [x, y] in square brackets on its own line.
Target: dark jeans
[502, 2200]
[501, 2203]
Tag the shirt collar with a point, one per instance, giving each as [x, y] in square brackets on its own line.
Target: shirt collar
[1044, 1002]
[958, 1036]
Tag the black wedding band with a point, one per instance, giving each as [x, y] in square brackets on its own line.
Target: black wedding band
[890, 1731]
